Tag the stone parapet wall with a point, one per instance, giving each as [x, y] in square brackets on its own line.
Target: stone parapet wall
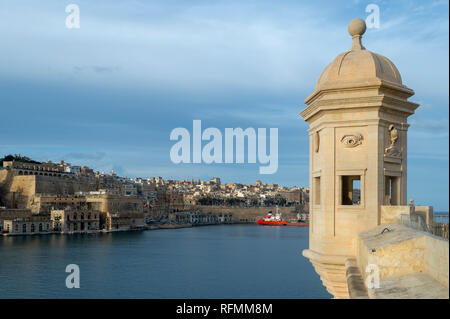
[391, 214]
[426, 212]
[398, 251]
[436, 259]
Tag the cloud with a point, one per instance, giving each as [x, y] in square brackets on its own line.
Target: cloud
[431, 125]
[208, 47]
[96, 69]
[198, 47]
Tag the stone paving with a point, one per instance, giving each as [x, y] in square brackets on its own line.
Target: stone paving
[413, 286]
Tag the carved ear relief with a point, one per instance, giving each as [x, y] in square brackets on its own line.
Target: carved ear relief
[352, 140]
[316, 142]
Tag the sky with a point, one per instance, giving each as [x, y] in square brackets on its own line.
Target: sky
[108, 94]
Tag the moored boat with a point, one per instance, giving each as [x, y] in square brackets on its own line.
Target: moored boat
[276, 220]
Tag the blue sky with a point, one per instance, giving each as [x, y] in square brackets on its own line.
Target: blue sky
[107, 95]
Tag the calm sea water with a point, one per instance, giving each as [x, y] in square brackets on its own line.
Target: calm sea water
[228, 261]
[441, 217]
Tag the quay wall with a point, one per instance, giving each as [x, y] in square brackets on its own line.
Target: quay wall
[246, 214]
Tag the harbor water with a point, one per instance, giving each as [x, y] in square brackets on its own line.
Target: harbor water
[224, 261]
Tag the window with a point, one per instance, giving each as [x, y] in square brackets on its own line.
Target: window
[32, 228]
[351, 190]
[391, 190]
[17, 228]
[24, 228]
[40, 227]
[316, 190]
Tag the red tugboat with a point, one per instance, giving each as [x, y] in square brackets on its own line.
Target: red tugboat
[276, 220]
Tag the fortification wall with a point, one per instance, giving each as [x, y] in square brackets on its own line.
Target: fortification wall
[22, 188]
[61, 186]
[21, 191]
[3, 175]
[437, 259]
[5, 182]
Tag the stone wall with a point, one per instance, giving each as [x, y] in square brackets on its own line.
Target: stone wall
[3, 175]
[407, 259]
[10, 214]
[391, 214]
[14, 213]
[22, 188]
[426, 212]
[246, 214]
[437, 259]
[396, 251]
[21, 191]
[61, 186]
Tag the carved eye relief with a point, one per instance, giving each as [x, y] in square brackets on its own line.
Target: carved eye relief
[352, 140]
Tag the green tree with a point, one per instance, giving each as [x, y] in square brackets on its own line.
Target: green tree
[17, 158]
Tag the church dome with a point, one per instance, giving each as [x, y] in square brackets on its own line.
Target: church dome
[358, 66]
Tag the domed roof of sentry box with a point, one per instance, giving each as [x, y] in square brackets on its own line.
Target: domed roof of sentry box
[358, 66]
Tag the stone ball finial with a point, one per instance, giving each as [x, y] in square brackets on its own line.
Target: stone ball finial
[357, 27]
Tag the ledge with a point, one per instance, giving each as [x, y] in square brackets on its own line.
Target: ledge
[355, 282]
[325, 259]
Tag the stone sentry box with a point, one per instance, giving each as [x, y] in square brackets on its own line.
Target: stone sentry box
[358, 131]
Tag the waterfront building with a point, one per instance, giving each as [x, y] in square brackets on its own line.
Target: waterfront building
[11, 214]
[33, 225]
[93, 210]
[123, 221]
[75, 220]
[43, 203]
[200, 218]
[117, 212]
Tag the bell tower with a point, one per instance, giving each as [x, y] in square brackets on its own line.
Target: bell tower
[358, 124]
